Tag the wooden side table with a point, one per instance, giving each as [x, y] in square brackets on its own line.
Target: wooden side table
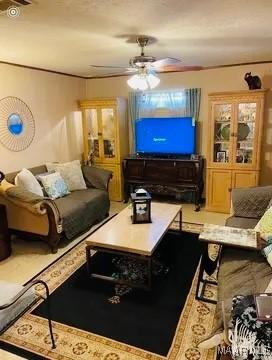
[5, 243]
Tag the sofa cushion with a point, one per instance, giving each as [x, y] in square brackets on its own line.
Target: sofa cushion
[96, 201]
[241, 272]
[89, 195]
[81, 209]
[241, 222]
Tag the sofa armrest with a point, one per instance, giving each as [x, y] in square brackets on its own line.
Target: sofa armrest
[35, 204]
[251, 202]
[25, 199]
[96, 177]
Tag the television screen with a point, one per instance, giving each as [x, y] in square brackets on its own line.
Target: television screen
[165, 135]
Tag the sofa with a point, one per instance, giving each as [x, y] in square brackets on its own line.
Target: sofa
[51, 220]
[241, 271]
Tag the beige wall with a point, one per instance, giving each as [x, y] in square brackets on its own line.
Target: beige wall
[52, 99]
[222, 79]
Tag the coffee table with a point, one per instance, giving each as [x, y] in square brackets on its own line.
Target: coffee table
[120, 237]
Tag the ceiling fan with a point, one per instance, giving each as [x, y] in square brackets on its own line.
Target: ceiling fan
[145, 67]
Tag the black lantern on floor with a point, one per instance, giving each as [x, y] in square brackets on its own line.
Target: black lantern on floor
[141, 203]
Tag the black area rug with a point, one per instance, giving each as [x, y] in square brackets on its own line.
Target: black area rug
[147, 320]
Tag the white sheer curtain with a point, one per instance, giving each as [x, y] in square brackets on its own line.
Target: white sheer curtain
[162, 103]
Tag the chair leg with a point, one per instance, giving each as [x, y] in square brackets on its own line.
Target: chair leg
[49, 314]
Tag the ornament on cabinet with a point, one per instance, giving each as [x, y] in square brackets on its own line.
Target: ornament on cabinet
[253, 82]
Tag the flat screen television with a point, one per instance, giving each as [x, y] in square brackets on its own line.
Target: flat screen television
[169, 136]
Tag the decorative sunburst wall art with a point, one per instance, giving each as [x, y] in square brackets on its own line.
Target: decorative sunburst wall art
[17, 126]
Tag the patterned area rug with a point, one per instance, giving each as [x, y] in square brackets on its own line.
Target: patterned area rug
[30, 332]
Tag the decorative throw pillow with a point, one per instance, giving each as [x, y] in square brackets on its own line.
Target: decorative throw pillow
[269, 205]
[267, 251]
[71, 173]
[38, 177]
[264, 226]
[27, 180]
[54, 185]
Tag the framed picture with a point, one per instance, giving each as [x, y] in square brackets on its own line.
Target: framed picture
[221, 156]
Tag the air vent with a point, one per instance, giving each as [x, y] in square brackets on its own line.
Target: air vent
[5, 4]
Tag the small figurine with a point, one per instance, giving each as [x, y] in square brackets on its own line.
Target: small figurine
[254, 82]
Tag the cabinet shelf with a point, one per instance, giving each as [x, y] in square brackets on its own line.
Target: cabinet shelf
[222, 122]
[246, 121]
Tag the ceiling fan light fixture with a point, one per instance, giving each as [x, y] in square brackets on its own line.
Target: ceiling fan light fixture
[143, 81]
[153, 81]
[138, 82]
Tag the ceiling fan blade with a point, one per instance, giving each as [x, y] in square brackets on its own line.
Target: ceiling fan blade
[110, 67]
[127, 72]
[165, 62]
[177, 67]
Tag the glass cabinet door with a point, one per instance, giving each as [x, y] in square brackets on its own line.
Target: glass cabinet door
[108, 133]
[222, 115]
[93, 132]
[244, 133]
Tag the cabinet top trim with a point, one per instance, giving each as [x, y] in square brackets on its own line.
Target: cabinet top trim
[86, 103]
[239, 92]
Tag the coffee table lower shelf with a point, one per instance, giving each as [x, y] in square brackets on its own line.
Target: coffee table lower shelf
[147, 259]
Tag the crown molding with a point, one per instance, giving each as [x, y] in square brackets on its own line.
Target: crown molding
[42, 69]
[122, 75]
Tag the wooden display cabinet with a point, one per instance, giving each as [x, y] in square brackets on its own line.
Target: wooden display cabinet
[234, 145]
[105, 138]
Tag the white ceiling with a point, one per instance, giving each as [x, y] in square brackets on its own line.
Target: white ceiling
[69, 35]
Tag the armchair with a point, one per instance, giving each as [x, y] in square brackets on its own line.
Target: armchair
[18, 300]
